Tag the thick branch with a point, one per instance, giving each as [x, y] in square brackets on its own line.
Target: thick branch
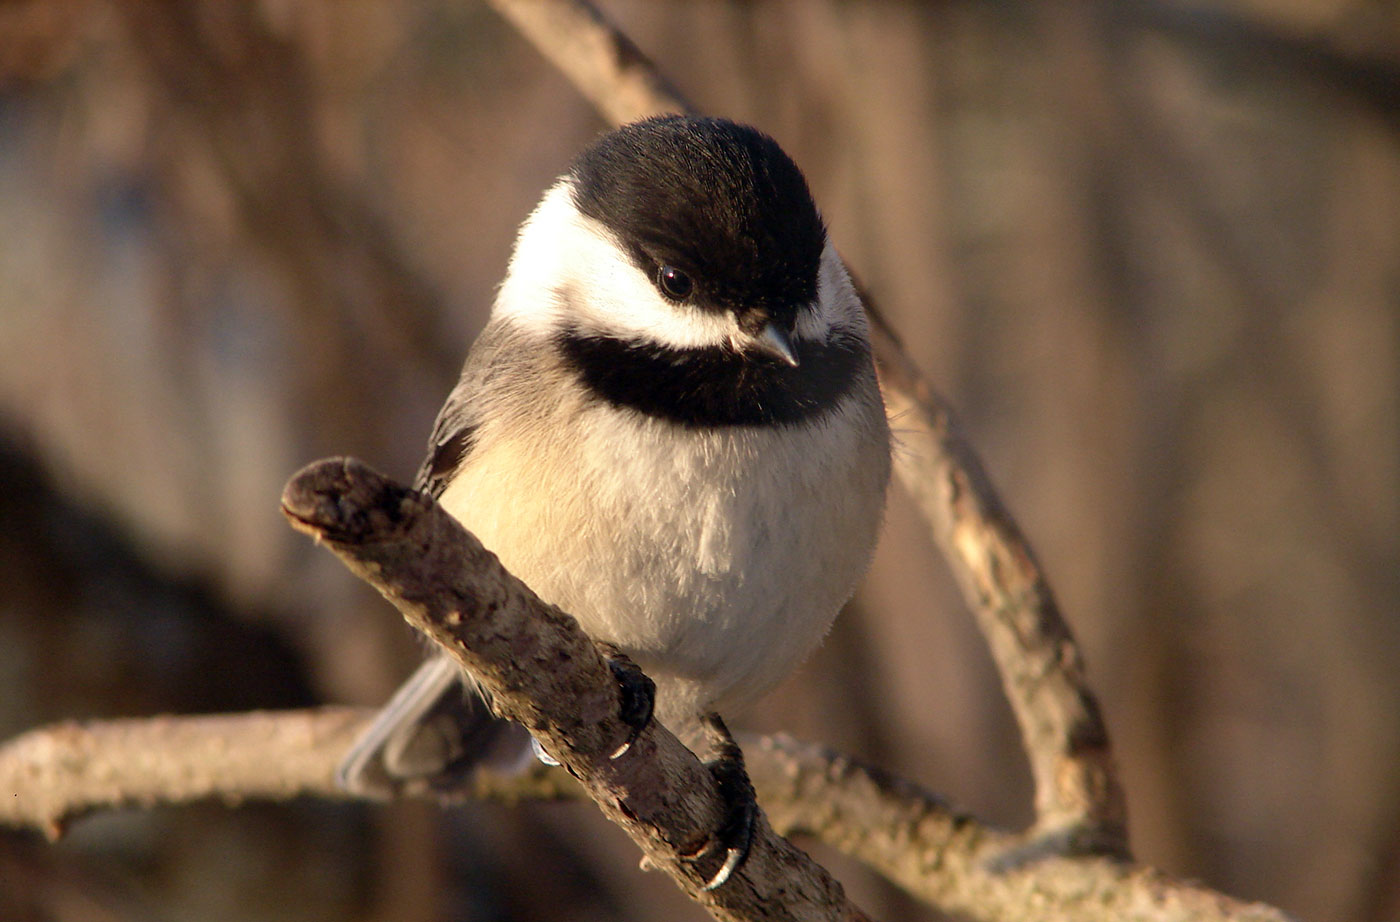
[55, 774]
[1077, 794]
[544, 673]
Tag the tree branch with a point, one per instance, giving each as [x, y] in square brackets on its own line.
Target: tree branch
[957, 864]
[601, 61]
[53, 775]
[1077, 795]
[1078, 798]
[541, 671]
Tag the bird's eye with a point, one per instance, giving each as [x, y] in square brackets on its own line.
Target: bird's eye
[674, 283]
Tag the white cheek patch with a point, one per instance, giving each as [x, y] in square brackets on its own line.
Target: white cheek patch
[527, 295]
[568, 269]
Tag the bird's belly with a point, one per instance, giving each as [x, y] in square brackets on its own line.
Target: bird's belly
[698, 556]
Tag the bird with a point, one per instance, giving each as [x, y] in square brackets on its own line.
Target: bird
[670, 427]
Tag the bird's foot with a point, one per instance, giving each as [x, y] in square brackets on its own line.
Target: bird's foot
[725, 761]
[636, 694]
[636, 699]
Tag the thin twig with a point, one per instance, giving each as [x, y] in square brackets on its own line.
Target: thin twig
[602, 62]
[1077, 795]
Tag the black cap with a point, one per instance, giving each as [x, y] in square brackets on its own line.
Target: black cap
[717, 200]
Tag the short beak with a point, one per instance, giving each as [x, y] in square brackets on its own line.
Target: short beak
[773, 340]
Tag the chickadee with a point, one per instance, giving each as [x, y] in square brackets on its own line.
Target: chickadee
[670, 428]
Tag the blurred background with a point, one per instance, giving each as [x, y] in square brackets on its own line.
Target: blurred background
[1150, 251]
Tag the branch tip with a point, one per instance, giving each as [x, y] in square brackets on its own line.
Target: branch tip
[344, 500]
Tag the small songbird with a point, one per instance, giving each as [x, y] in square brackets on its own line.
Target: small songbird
[670, 428]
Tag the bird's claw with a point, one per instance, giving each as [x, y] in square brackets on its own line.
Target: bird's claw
[735, 835]
[636, 693]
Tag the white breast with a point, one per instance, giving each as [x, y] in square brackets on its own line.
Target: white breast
[716, 559]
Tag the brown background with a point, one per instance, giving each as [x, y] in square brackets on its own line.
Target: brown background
[1149, 250]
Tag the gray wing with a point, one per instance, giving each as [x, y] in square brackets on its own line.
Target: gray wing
[454, 431]
[436, 728]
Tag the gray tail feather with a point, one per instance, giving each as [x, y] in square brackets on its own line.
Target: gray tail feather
[435, 729]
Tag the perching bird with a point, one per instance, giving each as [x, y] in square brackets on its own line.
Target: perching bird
[670, 428]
